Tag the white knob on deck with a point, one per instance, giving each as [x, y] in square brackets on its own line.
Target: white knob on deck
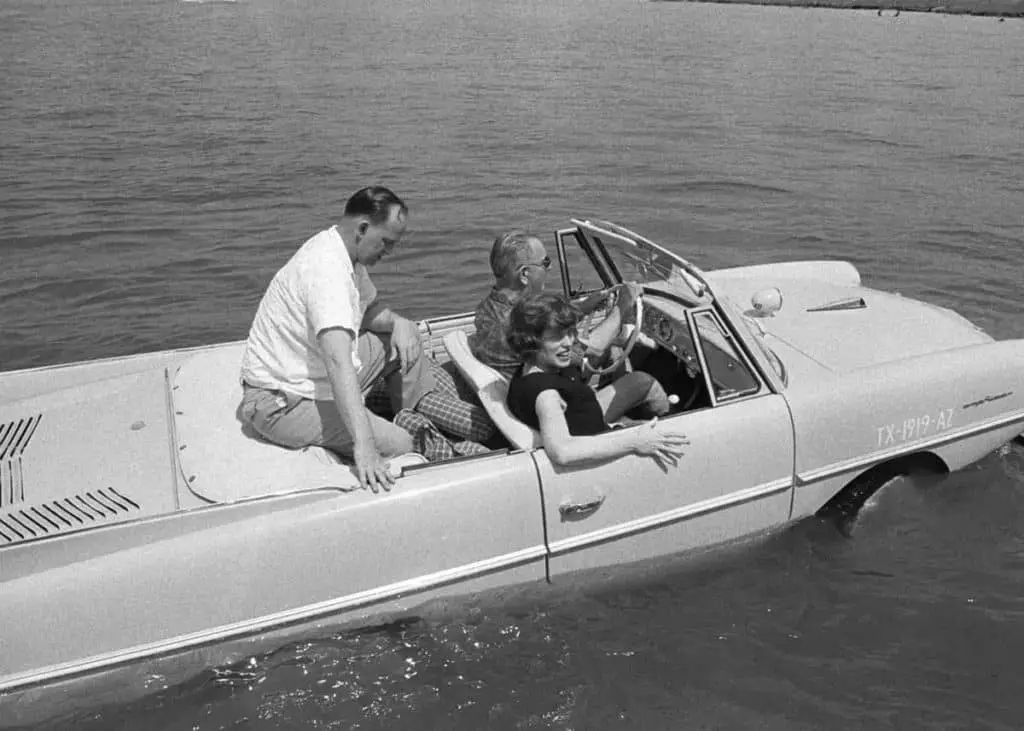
[767, 302]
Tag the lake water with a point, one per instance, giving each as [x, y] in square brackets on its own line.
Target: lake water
[160, 159]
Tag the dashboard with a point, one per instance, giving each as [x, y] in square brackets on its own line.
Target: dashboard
[665, 323]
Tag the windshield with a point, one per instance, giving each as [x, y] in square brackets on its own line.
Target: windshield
[636, 259]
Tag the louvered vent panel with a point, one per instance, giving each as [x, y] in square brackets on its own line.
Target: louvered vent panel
[75, 512]
[14, 439]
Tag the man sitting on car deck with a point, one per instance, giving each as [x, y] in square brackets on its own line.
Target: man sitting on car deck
[321, 339]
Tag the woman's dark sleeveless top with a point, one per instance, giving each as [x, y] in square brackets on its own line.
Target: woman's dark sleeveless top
[583, 413]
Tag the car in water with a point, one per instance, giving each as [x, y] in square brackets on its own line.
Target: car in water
[139, 519]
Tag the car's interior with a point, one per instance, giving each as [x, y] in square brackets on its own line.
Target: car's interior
[675, 333]
[663, 345]
[683, 343]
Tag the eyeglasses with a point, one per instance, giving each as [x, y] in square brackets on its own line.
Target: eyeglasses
[545, 262]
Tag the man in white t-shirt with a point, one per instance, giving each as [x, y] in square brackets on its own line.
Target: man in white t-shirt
[320, 340]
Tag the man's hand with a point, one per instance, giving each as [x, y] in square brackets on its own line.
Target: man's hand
[371, 470]
[337, 345]
[405, 340]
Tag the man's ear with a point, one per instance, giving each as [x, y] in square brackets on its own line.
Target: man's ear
[362, 228]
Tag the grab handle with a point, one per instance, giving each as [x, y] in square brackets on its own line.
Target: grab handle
[576, 511]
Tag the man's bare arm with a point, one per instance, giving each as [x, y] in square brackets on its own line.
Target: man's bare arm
[379, 318]
[337, 345]
[405, 335]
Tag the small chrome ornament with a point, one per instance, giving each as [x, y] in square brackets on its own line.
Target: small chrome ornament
[767, 302]
[847, 303]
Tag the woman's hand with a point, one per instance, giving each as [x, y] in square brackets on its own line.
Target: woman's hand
[665, 447]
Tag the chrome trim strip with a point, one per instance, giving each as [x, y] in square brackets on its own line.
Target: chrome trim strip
[640, 525]
[276, 621]
[839, 468]
[172, 442]
[698, 348]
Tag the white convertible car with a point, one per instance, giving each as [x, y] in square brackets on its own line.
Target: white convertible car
[138, 519]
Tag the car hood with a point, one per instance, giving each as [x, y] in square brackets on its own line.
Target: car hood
[826, 322]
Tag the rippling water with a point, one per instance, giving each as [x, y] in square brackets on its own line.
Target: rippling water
[160, 159]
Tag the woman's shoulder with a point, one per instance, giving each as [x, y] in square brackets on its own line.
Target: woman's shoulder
[532, 382]
[524, 390]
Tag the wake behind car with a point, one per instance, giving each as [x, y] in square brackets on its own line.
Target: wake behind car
[139, 519]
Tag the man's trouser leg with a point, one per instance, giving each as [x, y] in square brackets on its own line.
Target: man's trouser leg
[296, 422]
[454, 407]
[630, 391]
[407, 382]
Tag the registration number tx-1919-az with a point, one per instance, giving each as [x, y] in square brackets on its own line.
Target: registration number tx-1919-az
[915, 427]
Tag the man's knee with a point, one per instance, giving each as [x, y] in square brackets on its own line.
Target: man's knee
[399, 443]
[656, 398]
[391, 440]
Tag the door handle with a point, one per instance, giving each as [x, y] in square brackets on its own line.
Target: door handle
[576, 511]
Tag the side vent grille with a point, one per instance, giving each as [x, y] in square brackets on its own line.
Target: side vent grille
[63, 516]
[14, 438]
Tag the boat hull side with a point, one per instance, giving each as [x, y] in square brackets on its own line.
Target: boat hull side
[159, 586]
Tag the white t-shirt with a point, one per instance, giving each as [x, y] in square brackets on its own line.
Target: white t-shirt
[317, 289]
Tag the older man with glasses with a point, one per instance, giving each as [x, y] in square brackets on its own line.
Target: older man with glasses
[520, 264]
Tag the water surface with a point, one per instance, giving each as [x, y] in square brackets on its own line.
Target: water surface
[161, 159]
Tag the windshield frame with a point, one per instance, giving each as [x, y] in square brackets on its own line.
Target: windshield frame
[681, 277]
[691, 288]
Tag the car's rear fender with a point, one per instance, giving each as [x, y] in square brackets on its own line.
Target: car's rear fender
[958, 405]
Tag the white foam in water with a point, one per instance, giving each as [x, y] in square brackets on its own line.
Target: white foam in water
[872, 502]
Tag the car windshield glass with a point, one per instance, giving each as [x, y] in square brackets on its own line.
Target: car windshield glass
[637, 259]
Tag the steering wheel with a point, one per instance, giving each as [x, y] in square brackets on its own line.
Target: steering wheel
[627, 348]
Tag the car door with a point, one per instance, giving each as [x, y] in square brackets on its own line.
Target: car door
[734, 480]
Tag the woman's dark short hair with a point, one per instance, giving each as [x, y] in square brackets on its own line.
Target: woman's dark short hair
[531, 316]
[375, 203]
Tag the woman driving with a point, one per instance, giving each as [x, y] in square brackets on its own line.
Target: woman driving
[549, 392]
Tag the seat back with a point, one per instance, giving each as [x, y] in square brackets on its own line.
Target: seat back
[491, 388]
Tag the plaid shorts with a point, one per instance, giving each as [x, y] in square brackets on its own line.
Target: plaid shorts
[452, 407]
[428, 440]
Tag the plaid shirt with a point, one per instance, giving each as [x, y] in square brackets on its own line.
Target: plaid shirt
[488, 343]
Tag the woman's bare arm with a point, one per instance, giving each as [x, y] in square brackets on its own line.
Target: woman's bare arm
[565, 449]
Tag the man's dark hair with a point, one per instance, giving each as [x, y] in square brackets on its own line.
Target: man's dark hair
[531, 316]
[375, 203]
